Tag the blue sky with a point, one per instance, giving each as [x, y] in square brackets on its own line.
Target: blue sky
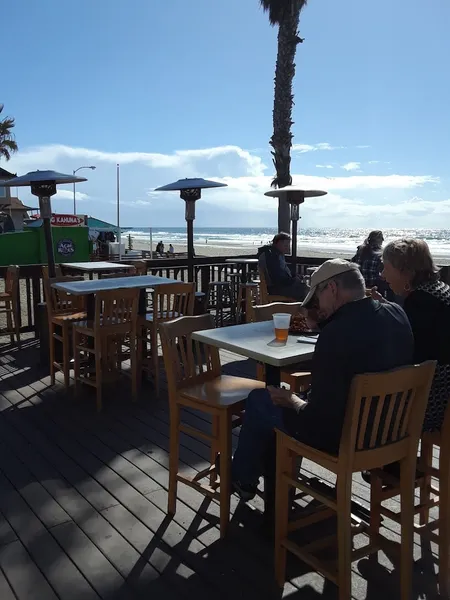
[178, 88]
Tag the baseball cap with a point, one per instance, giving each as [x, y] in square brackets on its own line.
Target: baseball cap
[328, 270]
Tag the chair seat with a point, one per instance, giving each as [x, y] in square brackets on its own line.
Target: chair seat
[5, 296]
[225, 390]
[69, 317]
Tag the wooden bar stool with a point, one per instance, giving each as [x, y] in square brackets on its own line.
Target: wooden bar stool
[220, 298]
[247, 295]
[385, 486]
[9, 303]
[170, 301]
[195, 381]
[115, 318]
[63, 311]
[383, 423]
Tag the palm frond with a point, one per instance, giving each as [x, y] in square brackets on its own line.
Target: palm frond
[8, 144]
[280, 9]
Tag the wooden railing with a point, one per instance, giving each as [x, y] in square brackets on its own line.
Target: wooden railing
[207, 269]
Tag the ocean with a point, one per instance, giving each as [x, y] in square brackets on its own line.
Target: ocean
[332, 240]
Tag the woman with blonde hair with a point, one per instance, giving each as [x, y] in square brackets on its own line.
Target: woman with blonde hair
[410, 271]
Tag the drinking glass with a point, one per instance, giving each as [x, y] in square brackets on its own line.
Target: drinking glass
[281, 323]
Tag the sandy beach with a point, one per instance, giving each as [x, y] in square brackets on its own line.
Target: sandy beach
[214, 250]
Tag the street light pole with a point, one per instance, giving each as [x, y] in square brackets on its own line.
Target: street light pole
[74, 196]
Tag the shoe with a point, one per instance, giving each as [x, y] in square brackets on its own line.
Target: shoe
[246, 492]
[393, 469]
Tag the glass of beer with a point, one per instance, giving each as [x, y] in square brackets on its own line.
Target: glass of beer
[281, 323]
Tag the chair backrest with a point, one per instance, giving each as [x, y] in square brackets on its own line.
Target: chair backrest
[116, 310]
[45, 273]
[173, 300]
[384, 416]
[12, 280]
[140, 267]
[263, 291]
[188, 361]
[264, 312]
[59, 302]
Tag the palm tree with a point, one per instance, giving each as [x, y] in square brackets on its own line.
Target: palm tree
[8, 144]
[285, 14]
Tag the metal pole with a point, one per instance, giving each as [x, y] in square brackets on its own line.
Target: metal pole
[119, 234]
[46, 214]
[151, 244]
[74, 198]
[190, 244]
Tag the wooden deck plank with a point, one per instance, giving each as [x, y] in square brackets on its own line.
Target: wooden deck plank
[7, 534]
[23, 575]
[108, 474]
[6, 592]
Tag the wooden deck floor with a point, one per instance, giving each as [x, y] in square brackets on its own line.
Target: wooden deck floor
[83, 499]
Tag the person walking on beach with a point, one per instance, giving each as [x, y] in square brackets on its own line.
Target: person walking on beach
[280, 281]
[171, 249]
[368, 258]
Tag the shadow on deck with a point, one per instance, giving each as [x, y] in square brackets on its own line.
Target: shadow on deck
[83, 499]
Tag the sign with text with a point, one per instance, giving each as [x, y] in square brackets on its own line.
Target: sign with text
[67, 221]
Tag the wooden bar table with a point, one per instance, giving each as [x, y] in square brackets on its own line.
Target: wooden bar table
[96, 267]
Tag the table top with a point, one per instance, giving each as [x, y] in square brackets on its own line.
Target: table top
[242, 260]
[257, 341]
[83, 288]
[96, 266]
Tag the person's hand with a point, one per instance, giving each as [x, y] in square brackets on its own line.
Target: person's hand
[376, 295]
[280, 396]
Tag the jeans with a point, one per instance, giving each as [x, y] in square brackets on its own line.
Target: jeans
[256, 437]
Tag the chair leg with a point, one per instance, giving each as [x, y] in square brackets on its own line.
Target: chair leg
[9, 323]
[260, 372]
[76, 364]
[444, 522]
[425, 461]
[281, 513]
[155, 358]
[407, 478]
[51, 337]
[225, 470]
[66, 354]
[344, 497]
[376, 487]
[213, 452]
[17, 324]
[134, 370]
[174, 450]
[98, 372]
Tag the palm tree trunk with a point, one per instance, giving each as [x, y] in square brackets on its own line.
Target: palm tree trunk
[281, 140]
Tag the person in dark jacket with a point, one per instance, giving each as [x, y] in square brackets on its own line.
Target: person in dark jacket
[280, 281]
[368, 258]
[358, 335]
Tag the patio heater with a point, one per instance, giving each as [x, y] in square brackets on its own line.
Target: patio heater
[294, 196]
[190, 191]
[43, 185]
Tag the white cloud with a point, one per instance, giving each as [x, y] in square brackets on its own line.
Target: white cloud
[352, 196]
[373, 162]
[68, 195]
[302, 148]
[351, 166]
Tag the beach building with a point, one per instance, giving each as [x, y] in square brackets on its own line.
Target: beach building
[12, 211]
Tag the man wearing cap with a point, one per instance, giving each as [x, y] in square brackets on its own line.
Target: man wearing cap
[358, 335]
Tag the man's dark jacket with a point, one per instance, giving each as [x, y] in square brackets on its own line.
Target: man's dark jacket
[365, 336]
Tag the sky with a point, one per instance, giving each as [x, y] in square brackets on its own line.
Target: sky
[175, 88]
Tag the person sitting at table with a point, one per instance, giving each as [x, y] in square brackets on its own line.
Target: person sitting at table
[358, 335]
[280, 281]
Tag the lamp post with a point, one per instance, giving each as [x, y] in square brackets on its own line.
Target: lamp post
[74, 199]
[190, 191]
[43, 184]
[294, 196]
